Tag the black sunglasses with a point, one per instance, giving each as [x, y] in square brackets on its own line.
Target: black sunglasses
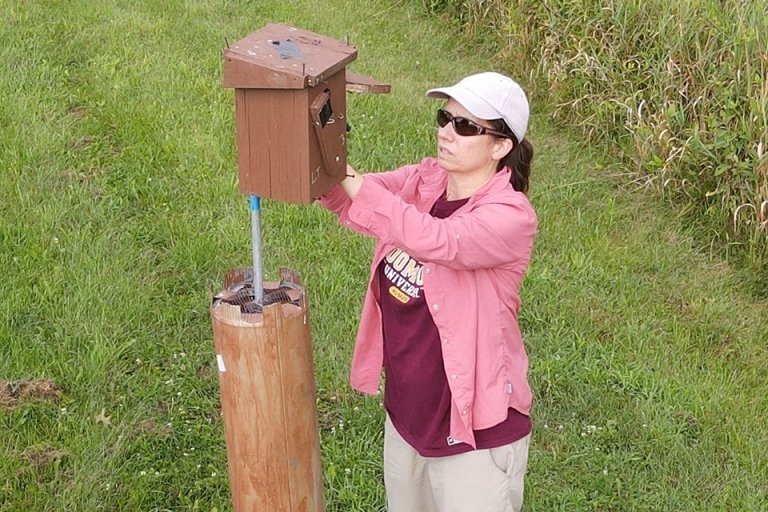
[463, 126]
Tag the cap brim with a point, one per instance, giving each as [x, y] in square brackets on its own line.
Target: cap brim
[476, 105]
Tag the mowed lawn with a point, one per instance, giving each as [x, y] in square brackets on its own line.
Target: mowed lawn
[120, 214]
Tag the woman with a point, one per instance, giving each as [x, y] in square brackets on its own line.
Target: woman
[455, 235]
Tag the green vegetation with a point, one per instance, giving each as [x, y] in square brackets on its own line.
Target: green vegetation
[680, 87]
[119, 213]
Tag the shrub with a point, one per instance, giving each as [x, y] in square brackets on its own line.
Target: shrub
[681, 87]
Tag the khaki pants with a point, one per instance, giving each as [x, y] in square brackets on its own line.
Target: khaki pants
[477, 481]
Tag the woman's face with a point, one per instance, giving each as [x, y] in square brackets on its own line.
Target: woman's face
[469, 154]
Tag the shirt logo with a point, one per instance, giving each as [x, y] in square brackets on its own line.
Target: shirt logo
[405, 274]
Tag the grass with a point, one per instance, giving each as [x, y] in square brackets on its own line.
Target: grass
[679, 92]
[119, 212]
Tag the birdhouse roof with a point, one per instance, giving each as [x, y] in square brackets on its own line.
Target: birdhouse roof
[284, 57]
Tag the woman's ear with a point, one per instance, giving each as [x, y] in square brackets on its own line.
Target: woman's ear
[501, 147]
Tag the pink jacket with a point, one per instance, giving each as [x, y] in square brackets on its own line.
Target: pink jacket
[474, 262]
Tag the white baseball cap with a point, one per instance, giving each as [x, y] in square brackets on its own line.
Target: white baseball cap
[490, 96]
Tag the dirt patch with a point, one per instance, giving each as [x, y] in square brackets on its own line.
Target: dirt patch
[204, 371]
[152, 427]
[13, 392]
[41, 456]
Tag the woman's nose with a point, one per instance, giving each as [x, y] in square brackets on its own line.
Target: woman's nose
[446, 132]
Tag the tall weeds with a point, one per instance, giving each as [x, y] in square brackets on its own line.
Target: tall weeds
[681, 87]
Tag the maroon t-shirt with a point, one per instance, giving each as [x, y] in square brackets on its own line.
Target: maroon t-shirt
[416, 395]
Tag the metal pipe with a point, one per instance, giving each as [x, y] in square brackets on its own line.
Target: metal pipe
[258, 277]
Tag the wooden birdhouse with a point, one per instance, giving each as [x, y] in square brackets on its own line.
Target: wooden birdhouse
[290, 101]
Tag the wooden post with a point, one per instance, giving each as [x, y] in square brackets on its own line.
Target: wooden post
[268, 394]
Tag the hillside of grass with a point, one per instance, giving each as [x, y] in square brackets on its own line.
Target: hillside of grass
[119, 214]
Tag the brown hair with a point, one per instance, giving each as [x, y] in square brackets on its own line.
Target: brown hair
[518, 160]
